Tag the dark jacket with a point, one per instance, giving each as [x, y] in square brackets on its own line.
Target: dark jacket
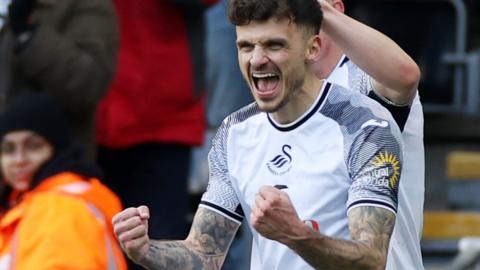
[71, 55]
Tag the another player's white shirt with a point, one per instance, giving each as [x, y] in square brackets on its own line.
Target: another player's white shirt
[405, 241]
[344, 152]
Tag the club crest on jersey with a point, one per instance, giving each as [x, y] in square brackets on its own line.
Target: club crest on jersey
[281, 163]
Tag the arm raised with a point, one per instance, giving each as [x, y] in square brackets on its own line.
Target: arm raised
[395, 75]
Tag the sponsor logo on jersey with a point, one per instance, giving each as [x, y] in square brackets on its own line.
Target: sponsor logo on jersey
[390, 162]
[281, 163]
[374, 122]
[384, 171]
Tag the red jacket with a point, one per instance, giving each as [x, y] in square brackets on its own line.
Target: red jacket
[157, 94]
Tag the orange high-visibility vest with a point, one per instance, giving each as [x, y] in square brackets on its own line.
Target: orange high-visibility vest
[64, 223]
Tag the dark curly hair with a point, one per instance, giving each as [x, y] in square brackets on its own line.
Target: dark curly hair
[302, 12]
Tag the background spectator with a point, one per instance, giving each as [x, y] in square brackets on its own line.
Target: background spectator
[154, 113]
[54, 212]
[64, 48]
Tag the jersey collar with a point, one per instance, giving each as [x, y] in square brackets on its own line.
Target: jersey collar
[343, 61]
[309, 113]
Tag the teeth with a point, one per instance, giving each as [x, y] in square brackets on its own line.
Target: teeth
[264, 75]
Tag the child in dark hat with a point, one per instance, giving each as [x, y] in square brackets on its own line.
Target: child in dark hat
[52, 201]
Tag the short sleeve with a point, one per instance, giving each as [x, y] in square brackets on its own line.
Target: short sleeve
[220, 195]
[375, 164]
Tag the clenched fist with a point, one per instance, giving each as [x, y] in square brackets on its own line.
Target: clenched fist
[274, 217]
[131, 228]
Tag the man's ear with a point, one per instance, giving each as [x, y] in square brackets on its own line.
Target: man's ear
[338, 5]
[314, 49]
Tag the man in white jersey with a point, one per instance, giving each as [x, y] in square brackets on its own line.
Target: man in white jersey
[312, 166]
[375, 66]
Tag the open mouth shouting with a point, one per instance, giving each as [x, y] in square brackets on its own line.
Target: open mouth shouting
[266, 84]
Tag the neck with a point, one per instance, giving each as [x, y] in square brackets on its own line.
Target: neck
[302, 100]
[326, 65]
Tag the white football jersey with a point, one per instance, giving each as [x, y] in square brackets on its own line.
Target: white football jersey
[344, 152]
[405, 241]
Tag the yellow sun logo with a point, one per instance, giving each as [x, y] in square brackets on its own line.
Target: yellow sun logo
[390, 160]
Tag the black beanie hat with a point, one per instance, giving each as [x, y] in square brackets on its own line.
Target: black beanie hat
[39, 113]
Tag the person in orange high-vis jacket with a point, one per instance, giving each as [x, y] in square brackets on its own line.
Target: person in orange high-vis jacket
[54, 212]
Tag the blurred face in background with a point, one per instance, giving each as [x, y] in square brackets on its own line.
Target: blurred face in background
[22, 154]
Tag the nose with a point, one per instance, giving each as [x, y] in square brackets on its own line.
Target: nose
[19, 157]
[258, 57]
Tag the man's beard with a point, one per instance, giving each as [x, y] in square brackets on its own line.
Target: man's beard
[295, 88]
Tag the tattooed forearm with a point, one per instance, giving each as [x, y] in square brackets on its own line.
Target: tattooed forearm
[370, 230]
[205, 248]
[173, 255]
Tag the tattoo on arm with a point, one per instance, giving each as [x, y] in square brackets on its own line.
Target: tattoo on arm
[205, 247]
[373, 226]
[370, 231]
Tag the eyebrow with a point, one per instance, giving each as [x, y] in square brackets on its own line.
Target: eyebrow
[242, 43]
[270, 41]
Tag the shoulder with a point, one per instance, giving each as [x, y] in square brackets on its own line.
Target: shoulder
[50, 219]
[354, 110]
[362, 121]
[240, 116]
[53, 222]
[357, 79]
[231, 126]
[58, 210]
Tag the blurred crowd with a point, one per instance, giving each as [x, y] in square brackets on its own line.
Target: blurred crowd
[107, 105]
[102, 105]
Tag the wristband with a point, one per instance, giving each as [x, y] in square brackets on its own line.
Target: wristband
[312, 224]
